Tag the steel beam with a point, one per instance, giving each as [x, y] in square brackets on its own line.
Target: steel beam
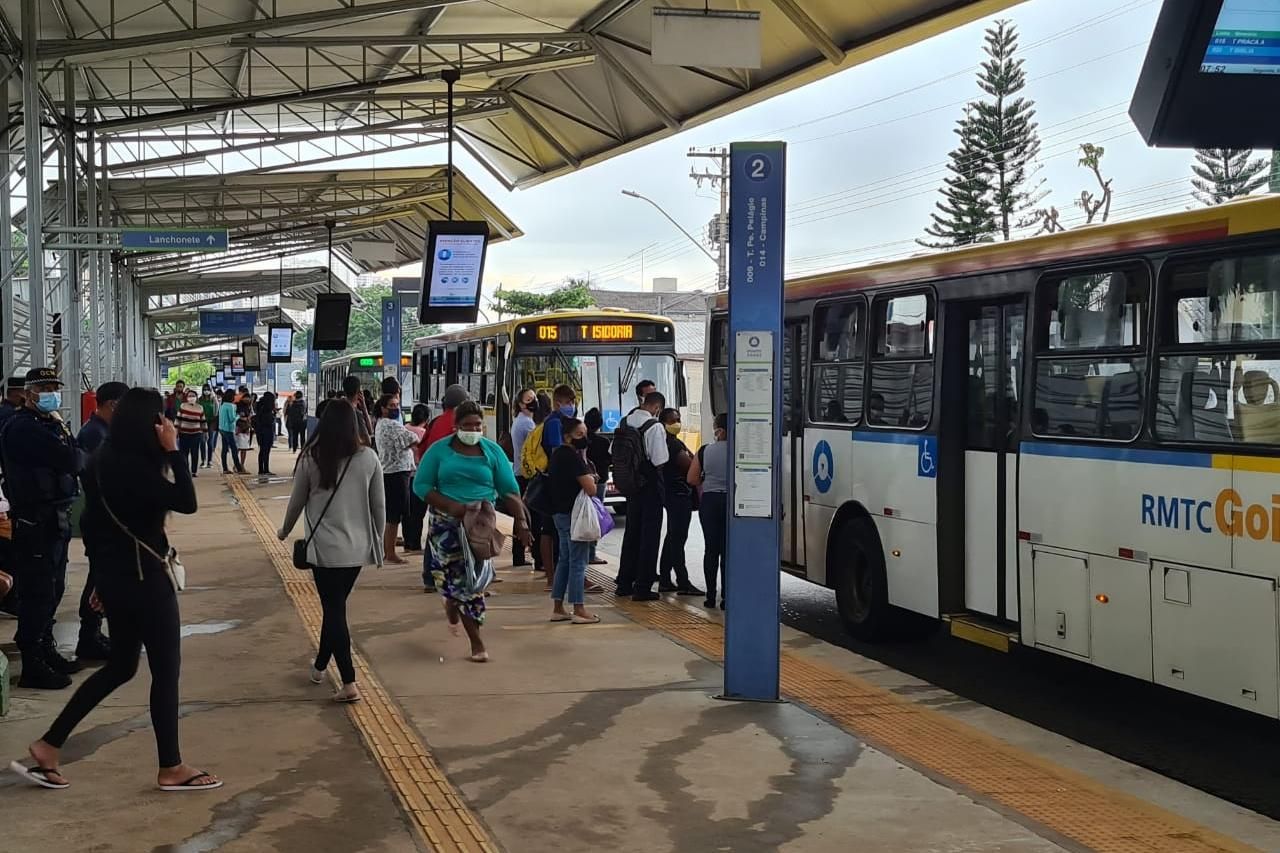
[817, 36]
[72, 321]
[96, 372]
[34, 160]
[8, 332]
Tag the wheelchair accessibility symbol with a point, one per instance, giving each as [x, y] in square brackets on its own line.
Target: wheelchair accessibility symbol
[927, 465]
[824, 467]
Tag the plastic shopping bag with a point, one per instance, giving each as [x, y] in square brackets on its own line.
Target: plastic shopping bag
[479, 573]
[584, 523]
[606, 517]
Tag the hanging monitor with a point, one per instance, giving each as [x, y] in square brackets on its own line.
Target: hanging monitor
[252, 355]
[237, 365]
[1212, 76]
[219, 379]
[453, 264]
[280, 343]
[332, 315]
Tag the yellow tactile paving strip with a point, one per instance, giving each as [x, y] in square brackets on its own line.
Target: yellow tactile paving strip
[1063, 801]
[433, 805]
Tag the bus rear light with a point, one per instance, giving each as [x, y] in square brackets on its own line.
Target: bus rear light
[1126, 553]
[1024, 535]
[888, 511]
[1102, 598]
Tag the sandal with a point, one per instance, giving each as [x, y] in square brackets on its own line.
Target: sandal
[591, 586]
[482, 657]
[39, 775]
[190, 785]
[584, 620]
[598, 561]
[345, 698]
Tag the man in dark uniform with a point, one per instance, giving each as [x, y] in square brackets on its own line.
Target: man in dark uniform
[15, 398]
[41, 461]
[93, 645]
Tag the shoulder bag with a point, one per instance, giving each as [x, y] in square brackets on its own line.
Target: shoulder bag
[172, 564]
[301, 546]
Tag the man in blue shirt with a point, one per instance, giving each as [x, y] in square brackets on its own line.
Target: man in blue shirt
[94, 432]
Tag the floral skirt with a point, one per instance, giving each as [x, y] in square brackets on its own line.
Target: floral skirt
[447, 563]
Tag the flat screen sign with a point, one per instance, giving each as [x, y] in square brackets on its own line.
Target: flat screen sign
[237, 365]
[599, 331]
[280, 343]
[1246, 39]
[453, 265]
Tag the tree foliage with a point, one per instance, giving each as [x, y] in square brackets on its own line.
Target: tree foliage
[990, 189]
[193, 373]
[1095, 207]
[1222, 174]
[574, 293]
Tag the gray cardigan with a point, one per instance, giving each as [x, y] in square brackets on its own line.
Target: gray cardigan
[350, 534]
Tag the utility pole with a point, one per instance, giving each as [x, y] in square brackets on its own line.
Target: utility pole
[717, 175]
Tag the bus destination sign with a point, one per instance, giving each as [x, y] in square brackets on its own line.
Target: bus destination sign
[600, 332]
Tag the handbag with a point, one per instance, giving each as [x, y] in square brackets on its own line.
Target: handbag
[172, 564]
[537, 495]
[301, 546]
[481, 526]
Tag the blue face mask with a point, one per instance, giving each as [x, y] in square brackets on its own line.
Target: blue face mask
[393, 414]
[49, 401]
[569, 410]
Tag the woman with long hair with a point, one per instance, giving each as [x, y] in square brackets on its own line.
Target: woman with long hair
[131, 485]
[337, 483]
[394, 442]
[568, 476]
[465, 469]
[264, 423]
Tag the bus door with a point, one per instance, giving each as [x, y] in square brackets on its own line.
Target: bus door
[992, 337]
[794, 346]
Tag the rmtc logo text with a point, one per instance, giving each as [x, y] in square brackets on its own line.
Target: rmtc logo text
[1228, 514]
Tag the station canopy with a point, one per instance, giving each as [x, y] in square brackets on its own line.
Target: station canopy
[546, 87]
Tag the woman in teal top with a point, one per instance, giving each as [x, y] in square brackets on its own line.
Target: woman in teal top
[464, 469]
[227, 426]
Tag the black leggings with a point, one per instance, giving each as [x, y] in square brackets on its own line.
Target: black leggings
[265, 440]
[139, 613]
[334, 585]
[714, 515]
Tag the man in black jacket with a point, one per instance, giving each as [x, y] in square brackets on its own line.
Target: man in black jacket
[41, 462]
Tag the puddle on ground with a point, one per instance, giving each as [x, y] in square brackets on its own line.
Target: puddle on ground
[208, 628]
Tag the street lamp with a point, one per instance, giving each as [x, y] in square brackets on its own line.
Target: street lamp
[658, 208]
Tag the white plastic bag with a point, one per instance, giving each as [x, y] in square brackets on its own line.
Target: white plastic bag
[585, 524]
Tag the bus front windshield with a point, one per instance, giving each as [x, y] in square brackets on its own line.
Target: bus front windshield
[604, 382]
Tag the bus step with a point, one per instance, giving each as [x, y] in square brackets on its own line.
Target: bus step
[982, 630]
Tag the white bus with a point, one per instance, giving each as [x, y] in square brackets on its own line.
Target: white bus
[1071, 442]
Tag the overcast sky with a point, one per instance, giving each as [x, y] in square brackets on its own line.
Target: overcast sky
[867, 154]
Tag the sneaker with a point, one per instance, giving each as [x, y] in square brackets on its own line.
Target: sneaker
[37, 675]
[645, 595]
[666, 587]
[710, 604]
[689, 589]
[58, 663]
[94, 648]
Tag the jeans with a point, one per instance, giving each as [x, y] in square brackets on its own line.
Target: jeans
[679, 514]
[40, 575]
[638, 568]
[141, 613]
[229, 446]
[714, 516]
[571, 567]
[190, 444]
[334, 585]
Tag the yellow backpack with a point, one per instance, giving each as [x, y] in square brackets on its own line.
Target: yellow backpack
[533, 456]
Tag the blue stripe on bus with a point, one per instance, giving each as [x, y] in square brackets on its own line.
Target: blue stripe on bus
[1118, 454]
[888, 437]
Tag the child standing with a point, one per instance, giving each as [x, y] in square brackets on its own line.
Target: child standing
[244, 438]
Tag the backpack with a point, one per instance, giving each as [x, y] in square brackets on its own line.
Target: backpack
[632, 470]
[533, 456]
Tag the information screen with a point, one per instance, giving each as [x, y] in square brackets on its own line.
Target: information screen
[280, 343]
[252, 355]
[453, 267]
[598, 331]
[1246, 39]
[237, 365]
[220, 378]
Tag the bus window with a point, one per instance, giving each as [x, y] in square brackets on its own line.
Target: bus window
[1221, 397]
[838, 339]
[901, 390]
[719, 365]
[1091, 374]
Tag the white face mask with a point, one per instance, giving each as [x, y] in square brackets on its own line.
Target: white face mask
[468, 438]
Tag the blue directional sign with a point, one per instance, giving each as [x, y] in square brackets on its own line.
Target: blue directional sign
[757, 204]
[391, 336]
[235, 324]
[313, 361]
[174, 239]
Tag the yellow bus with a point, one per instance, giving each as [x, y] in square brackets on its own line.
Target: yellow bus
[366, 365]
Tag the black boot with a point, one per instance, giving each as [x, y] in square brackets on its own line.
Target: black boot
[57, 662]
[93, 647]
[37, 675]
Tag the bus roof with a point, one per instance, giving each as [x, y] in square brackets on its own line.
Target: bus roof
[510, 326]
[1247, 216]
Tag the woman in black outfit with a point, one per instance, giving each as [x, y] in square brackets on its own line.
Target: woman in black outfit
[264, 424]
[131, 484]
[673, 574]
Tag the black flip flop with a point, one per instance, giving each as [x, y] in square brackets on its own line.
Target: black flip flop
[38, 775]
[189, 786]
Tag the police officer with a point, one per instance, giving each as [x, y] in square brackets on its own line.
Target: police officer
[15, 398]
[41, 461]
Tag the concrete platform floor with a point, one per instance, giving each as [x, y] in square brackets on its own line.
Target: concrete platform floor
[574, 738]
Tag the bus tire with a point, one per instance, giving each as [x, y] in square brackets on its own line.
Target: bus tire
[861, 585]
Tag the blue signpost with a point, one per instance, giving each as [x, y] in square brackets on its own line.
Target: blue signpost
[174, 239]
[391, 336]
[757, 202]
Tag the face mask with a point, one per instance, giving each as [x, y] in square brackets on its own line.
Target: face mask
[569, 410]
[49, 401]
[674, 429]
[393, 414]
[580, 443]
[468, 438]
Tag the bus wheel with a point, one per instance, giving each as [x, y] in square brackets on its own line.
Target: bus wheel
[862, 590]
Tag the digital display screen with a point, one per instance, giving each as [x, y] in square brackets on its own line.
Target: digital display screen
[1245, 40]
[455, 270]
[252, 356]
[220, 378]
[237, 365]
[280, 343]
[598, 331]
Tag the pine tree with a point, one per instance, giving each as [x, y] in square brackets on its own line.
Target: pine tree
[1222, 174]
[964, 215]
[1006, 128]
